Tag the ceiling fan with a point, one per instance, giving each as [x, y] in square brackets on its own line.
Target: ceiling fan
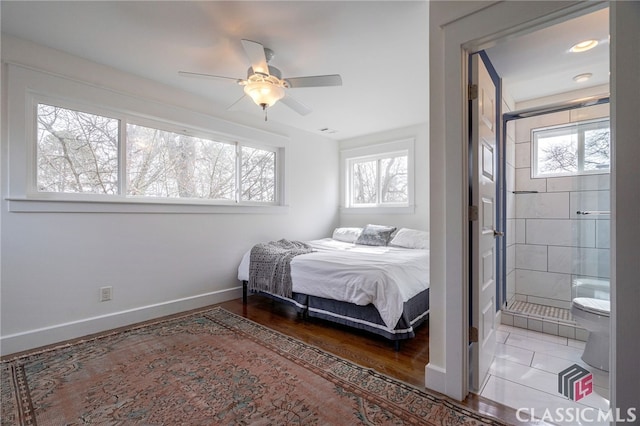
[264, 82]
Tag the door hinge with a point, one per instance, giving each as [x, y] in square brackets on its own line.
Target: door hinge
[473, 213]
[473, 92]
[473, 334]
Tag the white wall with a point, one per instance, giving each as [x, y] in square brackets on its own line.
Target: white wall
[419, 218]
[625, 199]
[158, 263]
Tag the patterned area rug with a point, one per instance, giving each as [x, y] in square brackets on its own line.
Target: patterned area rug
[209, 367]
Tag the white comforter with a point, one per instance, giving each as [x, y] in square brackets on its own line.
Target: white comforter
[384, 276]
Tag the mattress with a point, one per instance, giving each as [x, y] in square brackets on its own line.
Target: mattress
[385, 277]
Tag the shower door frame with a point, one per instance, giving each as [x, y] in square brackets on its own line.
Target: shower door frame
[501, 198]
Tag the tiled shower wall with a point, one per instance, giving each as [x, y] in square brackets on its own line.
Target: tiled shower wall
[548, 244]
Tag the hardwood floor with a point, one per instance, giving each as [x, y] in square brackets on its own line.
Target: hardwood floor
[358, 346]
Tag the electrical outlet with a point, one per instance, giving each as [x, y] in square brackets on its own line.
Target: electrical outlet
[106, 293]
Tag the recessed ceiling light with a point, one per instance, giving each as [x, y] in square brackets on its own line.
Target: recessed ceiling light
[583, 46]
[581, 78]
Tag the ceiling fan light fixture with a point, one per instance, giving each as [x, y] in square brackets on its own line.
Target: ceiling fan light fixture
[263, 93]
[264, 83]
[583, 46]
[265, 90]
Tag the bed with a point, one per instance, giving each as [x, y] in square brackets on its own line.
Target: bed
[375, 283]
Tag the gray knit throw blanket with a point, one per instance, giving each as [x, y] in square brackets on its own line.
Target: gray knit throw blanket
[270, 266]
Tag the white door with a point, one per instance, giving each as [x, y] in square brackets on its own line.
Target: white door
[483, 215]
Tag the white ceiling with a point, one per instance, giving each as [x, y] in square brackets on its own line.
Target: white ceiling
[379, 47]
[539, 63]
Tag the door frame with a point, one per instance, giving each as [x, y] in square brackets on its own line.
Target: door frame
[452, 38]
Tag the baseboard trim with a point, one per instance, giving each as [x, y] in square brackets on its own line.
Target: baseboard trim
[32, 339]
[435, 378]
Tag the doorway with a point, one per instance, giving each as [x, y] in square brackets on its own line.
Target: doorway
[551, 252]
[456, 29]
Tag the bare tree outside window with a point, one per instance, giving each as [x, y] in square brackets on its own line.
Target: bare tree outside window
[365, 182]
[597, 149]
[558, 155]
[393, 180]
[576, 149]
[77, 152]
[173, 165]
[258, 175]
[378, 181]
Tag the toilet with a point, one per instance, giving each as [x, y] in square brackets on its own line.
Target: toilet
[593, 315]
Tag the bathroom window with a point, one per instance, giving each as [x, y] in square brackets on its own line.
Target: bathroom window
[569, 150]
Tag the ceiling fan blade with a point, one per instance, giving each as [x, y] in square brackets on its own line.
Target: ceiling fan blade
[295, 105]
[200, 75]
[233, 106]
[256, 55]
[315, 81]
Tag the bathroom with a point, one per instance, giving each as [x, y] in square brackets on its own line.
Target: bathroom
[557, 254]
[554, 258]
[558, 224]
[554, 200]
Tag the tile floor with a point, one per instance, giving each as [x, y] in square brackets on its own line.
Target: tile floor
[524, 374]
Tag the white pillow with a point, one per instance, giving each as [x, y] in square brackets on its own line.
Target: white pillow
[411, 238]
[347, 235]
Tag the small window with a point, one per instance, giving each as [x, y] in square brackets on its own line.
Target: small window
[569, 150]
[81, 152]
[380, 180]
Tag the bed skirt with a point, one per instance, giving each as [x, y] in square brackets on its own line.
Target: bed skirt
[415, 312]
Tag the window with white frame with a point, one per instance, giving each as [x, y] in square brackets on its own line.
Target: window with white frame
[79, 152]
[379, 176]
[570, 150]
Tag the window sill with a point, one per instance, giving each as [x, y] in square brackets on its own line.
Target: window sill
[32, 205]
[378, 210]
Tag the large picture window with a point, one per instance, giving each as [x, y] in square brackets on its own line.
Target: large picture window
[83, 153]
[575, 149]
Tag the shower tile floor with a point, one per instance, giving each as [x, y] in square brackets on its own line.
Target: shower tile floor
[524, 373]
[545, 319]
[527, 308]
